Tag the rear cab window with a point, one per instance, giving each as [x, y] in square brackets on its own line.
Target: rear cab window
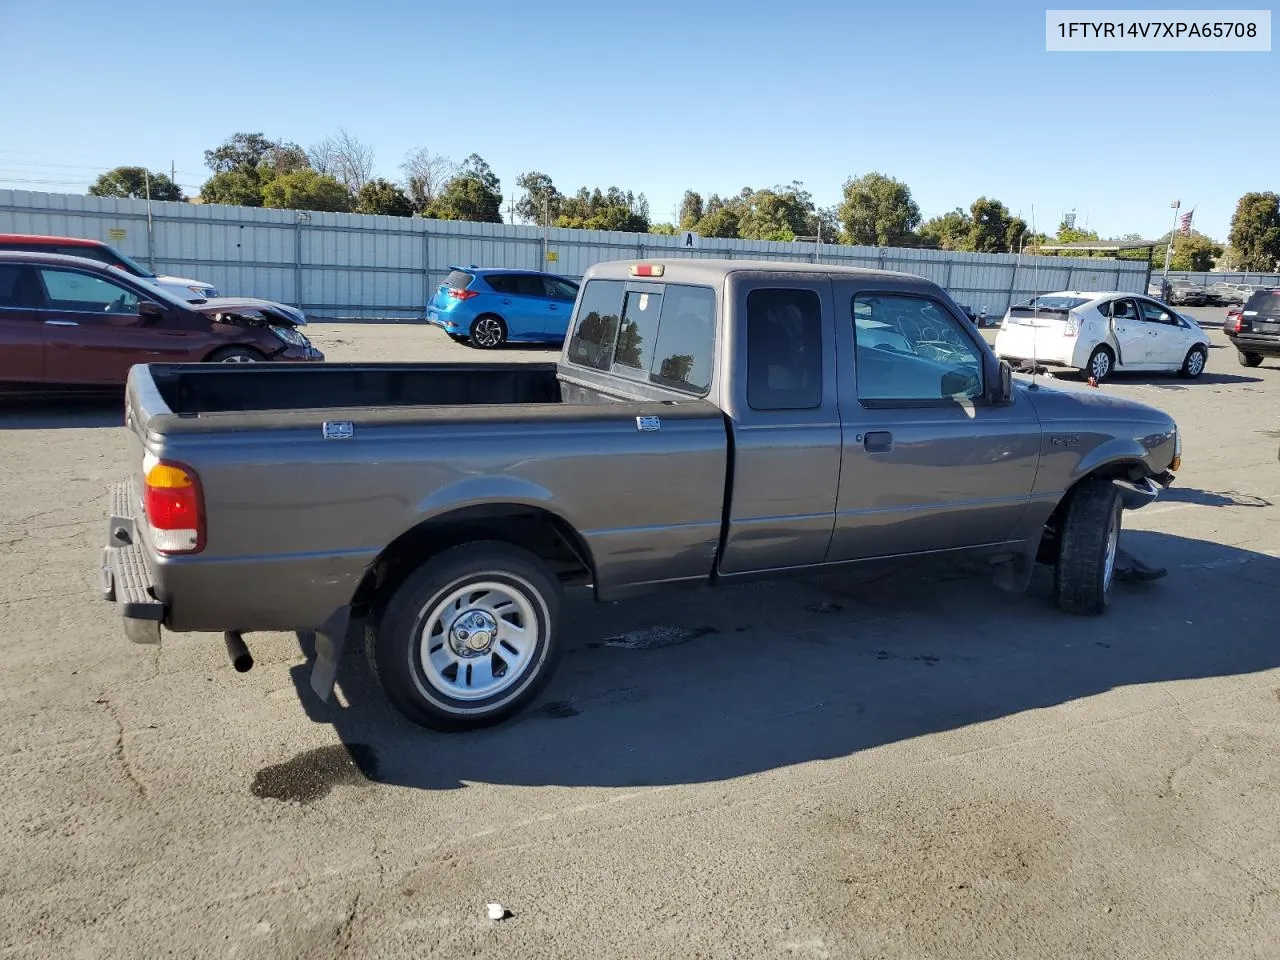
[784, 349]
[658, 333]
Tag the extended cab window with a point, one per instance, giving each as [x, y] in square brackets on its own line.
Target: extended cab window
[663, 333]
[19, 287]
[908, 348]
[784, 350]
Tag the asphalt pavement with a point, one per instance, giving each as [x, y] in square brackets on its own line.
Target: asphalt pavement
[919, 767]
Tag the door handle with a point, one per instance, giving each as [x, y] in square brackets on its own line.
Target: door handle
[878, 441]
[554, 307]
[61, 323]
[506, 300]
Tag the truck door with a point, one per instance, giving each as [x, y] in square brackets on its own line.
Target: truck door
[785, 421]
[927, 465]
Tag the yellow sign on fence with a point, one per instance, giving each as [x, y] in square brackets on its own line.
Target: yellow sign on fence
[552, 256]
[116, 233]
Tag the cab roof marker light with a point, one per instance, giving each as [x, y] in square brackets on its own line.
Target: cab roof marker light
[646, 269]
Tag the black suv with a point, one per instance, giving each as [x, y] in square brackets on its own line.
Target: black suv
[1255, 330]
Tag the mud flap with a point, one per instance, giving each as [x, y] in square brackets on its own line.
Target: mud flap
[1014, 574]
[330, 639]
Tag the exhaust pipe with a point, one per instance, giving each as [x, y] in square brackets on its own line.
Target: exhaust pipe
[240, 656]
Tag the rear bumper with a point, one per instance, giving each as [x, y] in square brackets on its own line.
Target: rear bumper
[1263, 346]
[1018, 342]
[444, 322]
[126, 575]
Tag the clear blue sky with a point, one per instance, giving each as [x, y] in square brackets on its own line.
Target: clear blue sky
[658, 96]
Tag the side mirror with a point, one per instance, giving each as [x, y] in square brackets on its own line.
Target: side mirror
[1001, 391]
[150, 310]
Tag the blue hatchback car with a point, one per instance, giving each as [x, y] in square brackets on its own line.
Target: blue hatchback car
[490, 307]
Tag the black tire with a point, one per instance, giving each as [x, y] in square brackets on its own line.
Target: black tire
[236, 355]
[1193, 365]
[1082, 578]
[395, 646]
[1097, 363]
[488, 332]
[1249, 359]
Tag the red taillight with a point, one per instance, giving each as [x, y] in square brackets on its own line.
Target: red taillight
[462, 294]
[174, 505]
[646, 269]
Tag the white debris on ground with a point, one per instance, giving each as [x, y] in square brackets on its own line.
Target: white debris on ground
[498, 912]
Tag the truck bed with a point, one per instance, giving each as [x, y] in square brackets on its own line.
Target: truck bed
[192, 389]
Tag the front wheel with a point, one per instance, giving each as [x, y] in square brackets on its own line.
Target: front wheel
[1249, 359]
[236, 355]
[469, 638]
[1194, 363]
[1088, 543]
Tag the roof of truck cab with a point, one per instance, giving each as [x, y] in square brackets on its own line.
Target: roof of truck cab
[709, 270]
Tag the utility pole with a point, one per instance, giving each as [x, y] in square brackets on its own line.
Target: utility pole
[546, 221]
[151, 246]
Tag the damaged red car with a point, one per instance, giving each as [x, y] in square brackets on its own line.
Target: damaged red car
[72, 324]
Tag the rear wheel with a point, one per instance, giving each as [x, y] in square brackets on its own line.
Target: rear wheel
[488, 332]
[236, 355]
[1194, 363]
[1100, 365]
[469, 638]
[1249, 359]
[1088, 543]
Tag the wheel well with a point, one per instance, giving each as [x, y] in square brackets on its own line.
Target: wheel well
[1133, 470]
[233, 346]
[490, 313]
[539, 531]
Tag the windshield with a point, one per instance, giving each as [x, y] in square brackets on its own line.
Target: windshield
[131, 266]
[156, 293]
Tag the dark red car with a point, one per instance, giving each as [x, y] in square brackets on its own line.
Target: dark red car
[69, 323]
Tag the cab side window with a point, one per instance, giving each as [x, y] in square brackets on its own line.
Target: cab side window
[1154, 313]
[910, 349]
[784, 349]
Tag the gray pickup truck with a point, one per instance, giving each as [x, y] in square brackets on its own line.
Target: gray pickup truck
[707, 422]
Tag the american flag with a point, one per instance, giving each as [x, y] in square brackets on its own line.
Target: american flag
[1184, 224]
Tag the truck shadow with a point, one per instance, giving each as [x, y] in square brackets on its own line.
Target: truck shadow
[747, 679]
[1207, 498]
[105, 410]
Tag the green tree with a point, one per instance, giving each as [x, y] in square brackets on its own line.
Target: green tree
[993, 228]
[542, 203]
[239, 151]
[384, 197]
[663, 229]
[1191, 252]
[1070, 234]
[605, 210]
[782, 213]
[473, 194]
[878, 211]
[132, 182]
[1255, 232]
[950, 231]
[691, 210]
[722, 221]
[238, 188]
[306, 190]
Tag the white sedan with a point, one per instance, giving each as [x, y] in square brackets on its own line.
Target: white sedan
[1101, 333]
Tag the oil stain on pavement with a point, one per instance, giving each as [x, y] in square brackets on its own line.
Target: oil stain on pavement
[310, 776]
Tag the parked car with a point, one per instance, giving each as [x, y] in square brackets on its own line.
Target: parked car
[69, 323]
[1186, 293]
[181, 287]
[1223, 293]
[1102, 333]
[487, 307]
[754, 418]
[1255, 330]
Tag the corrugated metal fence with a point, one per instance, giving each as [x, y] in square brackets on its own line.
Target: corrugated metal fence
[353, 265]
[1208, 279]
